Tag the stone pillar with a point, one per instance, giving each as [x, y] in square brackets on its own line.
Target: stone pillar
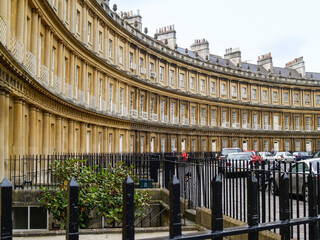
[34, 33]
[32, 130]
[58, 134]
[3, 139]
[8, 21]
[84, 78]
[84, 24]
[71, 72]
[94, 145]
[46, 134]
[60, 62]
[71, 146]
[95, 85]
[72, 15]
[83, 134]
[47, 47]
[6, 133]
[20, 20]
[17, 129]
[95, 33]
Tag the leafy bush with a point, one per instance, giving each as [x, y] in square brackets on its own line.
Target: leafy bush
[99, 189]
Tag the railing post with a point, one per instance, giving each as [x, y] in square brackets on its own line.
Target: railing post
[216, 206]
[73, 210]
[175, 215]
[154, 166]
[128, 209]
[252, 207]
[312, 201]
[284, 205]
[6, 210]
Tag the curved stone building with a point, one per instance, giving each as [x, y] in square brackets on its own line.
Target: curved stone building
[75, 76]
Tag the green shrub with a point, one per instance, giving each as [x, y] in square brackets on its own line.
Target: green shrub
[99, 190]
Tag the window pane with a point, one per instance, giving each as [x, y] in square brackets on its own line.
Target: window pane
[38, 218]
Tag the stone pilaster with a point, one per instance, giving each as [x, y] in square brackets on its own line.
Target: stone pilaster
[83, 134]
[58, 134]
[46, 134]
[3, 138]
[18, 128]
[32, 130]
[71, 146]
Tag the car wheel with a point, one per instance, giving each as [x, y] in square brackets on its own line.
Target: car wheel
[273, 187]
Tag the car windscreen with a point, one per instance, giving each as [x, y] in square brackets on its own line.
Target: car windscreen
[303, 154]
[243, 157]
[288, 154]
[225, 152]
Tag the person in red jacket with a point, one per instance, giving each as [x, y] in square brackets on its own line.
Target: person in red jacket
[185, 156]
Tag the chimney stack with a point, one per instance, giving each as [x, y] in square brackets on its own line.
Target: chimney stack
[234, 55]
[298, 65]
[134, 19]
[201, 46]
[266, 62]
[167, 35]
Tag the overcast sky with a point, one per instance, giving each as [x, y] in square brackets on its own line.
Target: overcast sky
[286, 28]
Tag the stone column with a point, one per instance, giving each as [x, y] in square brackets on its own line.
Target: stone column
[32, 130]
[60, 62]
[46, 134]
[6, 130]
[84, 24]
[58, 134]
[84, 79]
[94, 145]
[3, 137]
[83, 134]
[95, 33]
[34, 32]
[18, 129]
[8, 22]
[72, 72]
[71, 136]
[20, 20]
[47, 47]
[72, 15]
[95, 84]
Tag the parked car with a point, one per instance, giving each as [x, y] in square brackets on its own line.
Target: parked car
[255, 156]
[226, 151]
[284, 156]
[316, 154]
[299, 172]
[237, 163]
[266, 156]
[301, 155]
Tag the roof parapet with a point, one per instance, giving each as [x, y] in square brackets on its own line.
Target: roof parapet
[201, 46]
[265, 61]
[167, 35]
[234, 55]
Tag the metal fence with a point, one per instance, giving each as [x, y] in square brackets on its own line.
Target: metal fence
[195, 177]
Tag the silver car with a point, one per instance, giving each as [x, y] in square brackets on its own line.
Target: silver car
[299, 174]
[284, 156]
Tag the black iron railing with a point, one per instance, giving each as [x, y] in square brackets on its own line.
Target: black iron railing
[195, 177]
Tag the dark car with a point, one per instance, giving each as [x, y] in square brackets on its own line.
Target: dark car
[301, 155]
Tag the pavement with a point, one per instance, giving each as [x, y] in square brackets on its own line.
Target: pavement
[105, 236]
[100, 234]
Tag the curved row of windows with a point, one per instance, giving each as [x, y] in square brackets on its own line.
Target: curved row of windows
[81, 54]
